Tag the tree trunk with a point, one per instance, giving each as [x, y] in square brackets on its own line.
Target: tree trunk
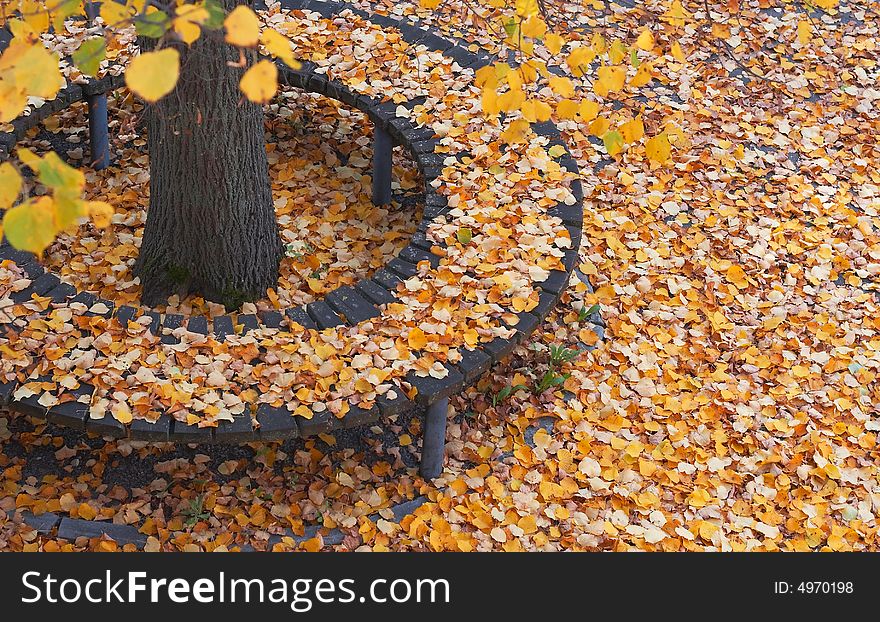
[211, 227]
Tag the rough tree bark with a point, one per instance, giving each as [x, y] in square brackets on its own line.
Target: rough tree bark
[211, 228]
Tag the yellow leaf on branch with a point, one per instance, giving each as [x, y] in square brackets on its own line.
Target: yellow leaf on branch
[188, 21]
[279, 46]
[526, 8]
[32, 69]
[10, 185]
[36, 16]
[153, 75]
[260, 82]
[115, 14]
[30, 226]
[242, 27]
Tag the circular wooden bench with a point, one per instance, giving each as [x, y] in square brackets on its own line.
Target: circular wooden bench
[346, 306]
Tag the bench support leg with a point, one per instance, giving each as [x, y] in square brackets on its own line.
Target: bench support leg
[99, 132]
[434, 439]
[382, 145]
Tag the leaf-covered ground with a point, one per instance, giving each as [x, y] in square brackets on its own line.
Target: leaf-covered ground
[731, 406]
[319, 154]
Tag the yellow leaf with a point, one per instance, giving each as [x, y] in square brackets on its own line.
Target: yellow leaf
[554, 43]
[10, 185]
[486, 76]
[613, 142]
[534, 110]
[187, 21]
[152, 75]
[579, 59]
[13, 100]
[534, 27]
[32, 68]
[643, 75]
[23, 31]
[304, 411]
[737, 276]
[562, 86]
[429, 4]
[114, 13]
[599, 127]
[30, 226]
[633, 131]
[121, 412]
[610, 78]
[511, 100]
[677, 52]
[36, 16]
[86, 512]
[658, 148]
[527, 524]
[514, 80]
[589, 110]
[699, 498]
[99, 212]
[645, 40]
[489, 102]
[417, 338]
[617, 52]
[279, 46]
[242, 27]
[260, 82]
[804, 32]
[676, 14]
[526, 8]
[567, 109]
[556, 151]
[68, 210]
[516, 132]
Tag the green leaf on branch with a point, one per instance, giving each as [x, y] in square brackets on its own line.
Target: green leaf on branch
[216, 15]
[152, 25]
[53, 172]
[89, 55]
[62, 10]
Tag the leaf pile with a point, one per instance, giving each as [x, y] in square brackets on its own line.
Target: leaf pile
[733, 403]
